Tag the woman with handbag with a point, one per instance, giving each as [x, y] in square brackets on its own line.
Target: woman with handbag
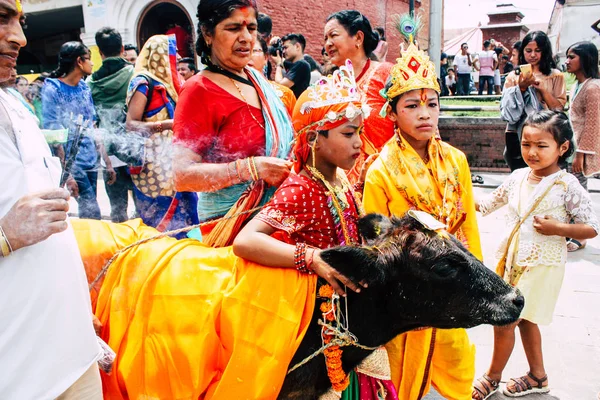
[151, 99]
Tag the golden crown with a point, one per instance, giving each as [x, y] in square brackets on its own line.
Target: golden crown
[413, 70]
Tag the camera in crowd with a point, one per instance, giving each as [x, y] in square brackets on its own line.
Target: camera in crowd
[276, 48]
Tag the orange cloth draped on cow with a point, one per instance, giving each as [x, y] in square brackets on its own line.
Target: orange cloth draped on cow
[377, 130]
[192, 322]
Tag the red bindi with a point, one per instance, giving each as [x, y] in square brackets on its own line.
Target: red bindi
[423, 97]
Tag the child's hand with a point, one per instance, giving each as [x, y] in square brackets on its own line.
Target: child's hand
[547, 225]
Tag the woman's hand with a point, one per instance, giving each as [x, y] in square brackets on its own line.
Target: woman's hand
[526, 80]
[365, 168]
[332, 276]
[578, 162]
[273, 170]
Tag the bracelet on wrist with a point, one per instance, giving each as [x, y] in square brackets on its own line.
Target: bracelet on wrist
[300, 258]
[5, 247]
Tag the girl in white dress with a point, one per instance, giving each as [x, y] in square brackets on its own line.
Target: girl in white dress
[541, 200]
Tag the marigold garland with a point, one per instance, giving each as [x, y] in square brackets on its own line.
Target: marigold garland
[333, 355]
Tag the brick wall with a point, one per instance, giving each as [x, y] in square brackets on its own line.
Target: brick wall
[308, 17]
[507, 36]
[504, 18]
[481, 139]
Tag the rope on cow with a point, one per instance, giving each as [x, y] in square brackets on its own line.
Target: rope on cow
[341, 335]
[160, 236]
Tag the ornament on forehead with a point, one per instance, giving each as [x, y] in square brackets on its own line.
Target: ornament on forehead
[413, 70]
[337, 88]
[19, 5]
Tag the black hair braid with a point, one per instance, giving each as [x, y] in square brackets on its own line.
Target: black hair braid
[69, 53]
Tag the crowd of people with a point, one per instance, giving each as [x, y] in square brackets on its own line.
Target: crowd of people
[263, 149]
[476, 72]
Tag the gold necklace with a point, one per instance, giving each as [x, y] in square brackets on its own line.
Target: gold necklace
[534, 176]
[247, 105]
[334, 198]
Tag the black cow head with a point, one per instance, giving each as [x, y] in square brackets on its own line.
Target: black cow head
[420, 277]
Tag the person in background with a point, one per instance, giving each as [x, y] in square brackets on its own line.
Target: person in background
[349, 36]
[451, 82]
[382, 46]
[131, 53]
[66, 98]
[109, 90]
[258, 61]
[297, 73]
[543, 88]
[514, 53]
[151, 99]
[186, 67]
[497, 78]
[505, 67]
[315, 70]
[35, 95]
[584, 113]
[49, 348]
[444, 73]
[22, 85]
[18, 86]
[183, 38]
[327, 66]
[265, 31]
[463, 63]
[486, 63]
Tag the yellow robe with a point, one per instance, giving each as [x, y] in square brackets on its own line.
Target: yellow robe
[451, 366]
[192, 322]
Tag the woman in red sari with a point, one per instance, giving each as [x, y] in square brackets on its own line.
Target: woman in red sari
[348, 35]
[317, 208]
[232, 133]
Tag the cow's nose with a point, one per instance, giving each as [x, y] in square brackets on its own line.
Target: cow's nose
[519, 301]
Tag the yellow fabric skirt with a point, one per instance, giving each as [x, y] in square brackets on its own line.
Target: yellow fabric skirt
[449, 366]
[192, 322]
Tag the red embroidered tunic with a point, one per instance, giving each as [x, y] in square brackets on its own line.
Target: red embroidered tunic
[300, 210]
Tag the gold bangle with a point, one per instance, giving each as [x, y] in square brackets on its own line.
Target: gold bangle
[5, 246]
[250, 170]
[256, 177]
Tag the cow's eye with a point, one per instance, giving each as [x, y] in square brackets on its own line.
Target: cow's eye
[444, 270]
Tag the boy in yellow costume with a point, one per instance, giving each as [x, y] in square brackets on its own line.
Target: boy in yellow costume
[416, 170]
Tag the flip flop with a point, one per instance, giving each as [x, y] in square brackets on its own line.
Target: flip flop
[523, 387]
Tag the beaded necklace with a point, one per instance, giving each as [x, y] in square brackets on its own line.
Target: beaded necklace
[337, 196]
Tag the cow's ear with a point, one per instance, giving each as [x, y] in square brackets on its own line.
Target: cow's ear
[356, 263]
[372, 226]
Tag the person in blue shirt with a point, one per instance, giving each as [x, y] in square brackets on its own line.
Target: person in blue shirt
[65, 99]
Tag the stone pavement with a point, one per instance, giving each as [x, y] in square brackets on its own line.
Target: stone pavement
[571, 344]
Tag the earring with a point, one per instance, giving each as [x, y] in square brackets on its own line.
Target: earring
[357, 45]
[312, 151]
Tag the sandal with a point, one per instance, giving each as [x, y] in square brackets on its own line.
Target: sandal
[574, 245]
[487, 387]
[523, 387]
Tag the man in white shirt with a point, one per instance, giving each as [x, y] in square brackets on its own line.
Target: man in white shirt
[48, 348]
[463, 65]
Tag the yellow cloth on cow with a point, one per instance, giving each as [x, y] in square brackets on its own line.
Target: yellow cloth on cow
[397, 182]
[192, 322]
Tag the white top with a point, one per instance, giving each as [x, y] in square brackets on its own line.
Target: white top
[450, 81]
[566, 201]
[462, 64]
[47, 339]
[486, 62]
